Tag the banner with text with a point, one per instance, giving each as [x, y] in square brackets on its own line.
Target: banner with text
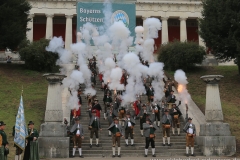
[94, 13]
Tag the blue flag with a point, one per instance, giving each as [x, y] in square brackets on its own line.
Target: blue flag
[20, 127]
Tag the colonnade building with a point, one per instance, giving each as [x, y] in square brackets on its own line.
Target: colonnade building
[58, 18]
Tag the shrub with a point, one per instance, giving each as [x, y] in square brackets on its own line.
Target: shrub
[37, 58]
[181, 55]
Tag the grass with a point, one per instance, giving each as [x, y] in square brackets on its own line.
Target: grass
[229, 88]
[12, 79]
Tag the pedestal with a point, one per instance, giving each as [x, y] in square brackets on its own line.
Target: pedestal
[53, 140]
[215, 137]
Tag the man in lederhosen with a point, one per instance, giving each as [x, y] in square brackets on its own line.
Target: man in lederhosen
[142, 115]
[156, 109]
[121, 115]
[166, 125]
[150, 93]
[107, 99]
[175, 113]
[94, 126]
[190, 130]
[117, 133]
[149, 129]
[110, 117]
[78, 136]
[128, 126]
[115, 106]
[171, 99]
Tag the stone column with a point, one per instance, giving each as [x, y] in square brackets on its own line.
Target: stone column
[30, 26]
[68, 68]
[183, 29]
[49, 26]
[164, 30]
[53, 140]
[213, 108]
[68, 32]
[215, 137]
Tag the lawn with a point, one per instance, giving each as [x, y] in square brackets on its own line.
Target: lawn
[229, 88]
[12, 79]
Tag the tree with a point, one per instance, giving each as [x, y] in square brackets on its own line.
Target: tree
[220, 28]
[37, 58]
[181, 55]
[13, 22]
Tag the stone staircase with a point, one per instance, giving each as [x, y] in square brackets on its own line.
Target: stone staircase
[177, 148]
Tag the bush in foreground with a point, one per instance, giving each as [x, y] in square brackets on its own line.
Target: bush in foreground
[181, 55]
[37, 58]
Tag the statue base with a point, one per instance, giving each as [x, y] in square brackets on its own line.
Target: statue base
[53, 141]
[215, 140]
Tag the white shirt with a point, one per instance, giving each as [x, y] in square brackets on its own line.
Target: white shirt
[78, 131]
[190, 130]
[116, 126]
[156, 108]
[129, 123]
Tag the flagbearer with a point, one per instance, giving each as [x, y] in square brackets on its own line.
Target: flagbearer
[32, 146]
[4, 144]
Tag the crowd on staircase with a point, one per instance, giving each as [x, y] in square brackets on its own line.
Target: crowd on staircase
[151, 115]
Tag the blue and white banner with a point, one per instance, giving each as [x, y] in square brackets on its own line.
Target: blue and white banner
[20, 127]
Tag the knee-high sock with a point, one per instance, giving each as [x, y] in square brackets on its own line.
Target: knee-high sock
[91, 141]
[126, 140]
[168, 140]
[132, 141]
[158, 123]
[173, 130]
[192, 149]
[119, 149]
[80, 151]
[153, 151]
[74, 149]
[104, 115]
[113, 150]
[164, 140]
[141, 132]
[146, 151]
[18, 157]
[109, 133]
[97, 141]
[178, 130]
[187, 149]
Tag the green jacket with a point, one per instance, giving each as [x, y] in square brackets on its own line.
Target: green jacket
[4, 137]
[32, 134]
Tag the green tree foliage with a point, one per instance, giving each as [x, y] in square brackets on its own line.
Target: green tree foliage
[220, 28]
[181, 55]
[13, 22]
[37, 58]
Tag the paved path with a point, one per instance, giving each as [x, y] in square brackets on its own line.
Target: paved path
[152, 158]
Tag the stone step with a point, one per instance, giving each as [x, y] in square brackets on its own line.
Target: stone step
[139, 147]
[139, 152]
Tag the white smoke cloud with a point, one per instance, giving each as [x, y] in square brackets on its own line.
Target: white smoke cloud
[153, 25]
[56, 46]
[115, 76]
[181, 78]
